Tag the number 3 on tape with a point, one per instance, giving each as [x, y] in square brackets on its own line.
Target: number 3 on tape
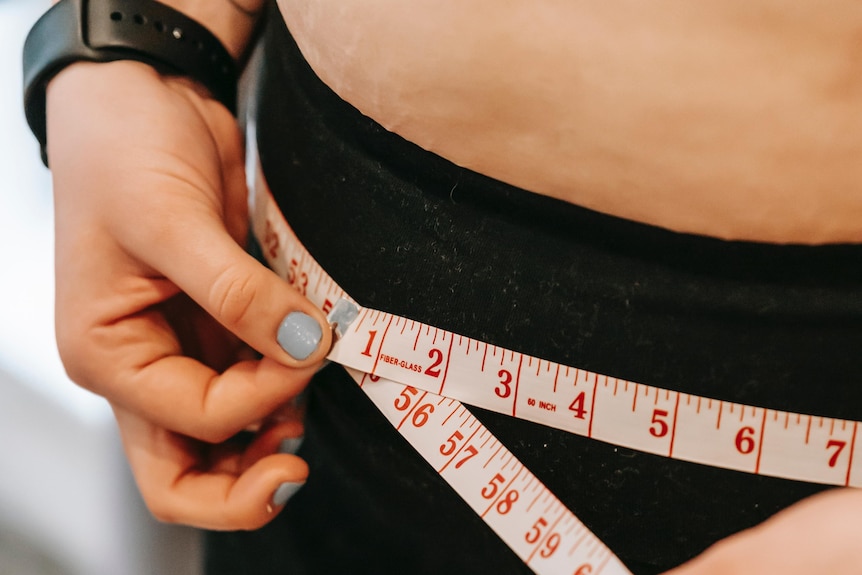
[523, 512]
[417, 375]
[669, 423]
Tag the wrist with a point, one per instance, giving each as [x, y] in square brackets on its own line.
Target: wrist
[233, 22]
[147, 31]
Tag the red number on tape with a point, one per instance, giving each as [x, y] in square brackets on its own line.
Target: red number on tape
[745, 440]
[578, 406]
[405, 398]
[659, 427]
[451, 444]
[434, 369]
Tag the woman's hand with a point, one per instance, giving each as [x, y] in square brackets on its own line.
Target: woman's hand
[159, 308]
[821, 534]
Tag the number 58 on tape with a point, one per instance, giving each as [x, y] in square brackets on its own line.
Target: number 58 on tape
[417, 375]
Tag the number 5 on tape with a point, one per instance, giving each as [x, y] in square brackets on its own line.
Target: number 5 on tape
[511, 500]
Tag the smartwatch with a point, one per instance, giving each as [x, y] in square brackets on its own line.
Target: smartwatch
[109, 30]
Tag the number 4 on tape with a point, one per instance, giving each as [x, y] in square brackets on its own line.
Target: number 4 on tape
[545, 534]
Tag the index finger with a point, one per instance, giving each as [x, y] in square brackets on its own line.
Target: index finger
[197, 253]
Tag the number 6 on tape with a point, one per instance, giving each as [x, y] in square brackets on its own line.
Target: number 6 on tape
[523, 512]
[417, 375]
[511, 500]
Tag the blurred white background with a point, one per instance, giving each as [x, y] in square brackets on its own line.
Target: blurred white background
[67, 501]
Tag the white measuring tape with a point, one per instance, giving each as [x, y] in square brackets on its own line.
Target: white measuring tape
[417, 375]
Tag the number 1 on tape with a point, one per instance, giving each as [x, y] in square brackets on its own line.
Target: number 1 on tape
[545, 534]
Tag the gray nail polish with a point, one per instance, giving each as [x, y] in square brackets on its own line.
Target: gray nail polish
[342, 315]
[299, 335]
[284, 492]
[290, 445]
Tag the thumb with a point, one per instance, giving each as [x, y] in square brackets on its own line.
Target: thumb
[184, 238]
[246, 297]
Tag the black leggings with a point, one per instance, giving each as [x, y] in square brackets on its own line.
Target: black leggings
[406, 231]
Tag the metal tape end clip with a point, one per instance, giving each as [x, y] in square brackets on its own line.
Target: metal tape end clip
[342, 315]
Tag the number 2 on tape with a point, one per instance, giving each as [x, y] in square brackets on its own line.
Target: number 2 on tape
[418, 375]
[669, 423]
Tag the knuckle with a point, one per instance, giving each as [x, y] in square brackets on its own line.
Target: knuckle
[160, 509]
[76, 354]
[231, 296]
[214, 425]
[162, 515]
[212, 432]
[69, 350]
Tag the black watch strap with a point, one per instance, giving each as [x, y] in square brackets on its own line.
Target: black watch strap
[108, 30]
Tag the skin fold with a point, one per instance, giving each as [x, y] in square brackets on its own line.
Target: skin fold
[733, 119]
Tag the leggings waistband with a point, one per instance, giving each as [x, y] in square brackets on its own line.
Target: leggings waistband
[407, 231]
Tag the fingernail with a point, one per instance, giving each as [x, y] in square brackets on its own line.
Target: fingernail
[299, 335]
[290, 445]
[284, 492]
